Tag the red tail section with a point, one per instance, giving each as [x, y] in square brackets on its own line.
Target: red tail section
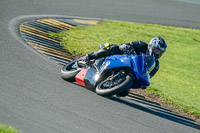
[80, 76]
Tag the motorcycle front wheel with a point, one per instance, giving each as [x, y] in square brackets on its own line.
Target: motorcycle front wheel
[111, 87]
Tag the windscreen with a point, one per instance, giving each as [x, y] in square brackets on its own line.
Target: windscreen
[149, 63]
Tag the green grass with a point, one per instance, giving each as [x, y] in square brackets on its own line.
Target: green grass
[177, 81]
[6, 129]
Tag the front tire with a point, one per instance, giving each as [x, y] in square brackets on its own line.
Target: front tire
[104, 89]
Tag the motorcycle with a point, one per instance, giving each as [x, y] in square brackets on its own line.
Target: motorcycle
[111, 75]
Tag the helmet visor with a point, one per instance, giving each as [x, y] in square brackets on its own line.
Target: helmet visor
[158, 51]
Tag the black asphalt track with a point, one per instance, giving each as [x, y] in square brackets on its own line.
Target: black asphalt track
[33, 97]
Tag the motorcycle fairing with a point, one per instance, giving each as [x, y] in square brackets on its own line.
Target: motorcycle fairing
[90, 78]
[140, 69]
[81, 76]
[117, 61]
[135, 62]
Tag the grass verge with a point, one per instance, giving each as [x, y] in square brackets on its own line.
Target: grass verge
[6, 129]
[177, 81]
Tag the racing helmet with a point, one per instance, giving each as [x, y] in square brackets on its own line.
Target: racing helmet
[157, 46]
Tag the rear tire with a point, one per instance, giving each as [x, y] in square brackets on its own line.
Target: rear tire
[120, 88]
[68, 73]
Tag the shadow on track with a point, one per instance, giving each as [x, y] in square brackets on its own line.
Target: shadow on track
[156, 110]
[152, 108]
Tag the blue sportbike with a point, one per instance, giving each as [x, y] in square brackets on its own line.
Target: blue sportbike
[112, 75]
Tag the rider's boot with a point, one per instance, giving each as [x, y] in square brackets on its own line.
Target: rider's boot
[89, 57]
[143, 87]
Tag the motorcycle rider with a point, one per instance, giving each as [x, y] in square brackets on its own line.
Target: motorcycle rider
[157, 46]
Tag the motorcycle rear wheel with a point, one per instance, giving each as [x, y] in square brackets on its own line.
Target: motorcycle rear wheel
[69, 71]
[104, 89]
